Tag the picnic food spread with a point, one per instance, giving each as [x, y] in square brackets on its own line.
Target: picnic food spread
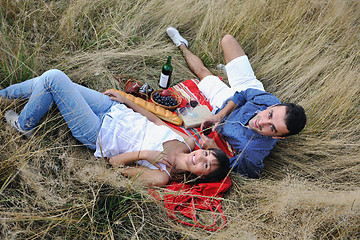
[153, 108]
[164, 102]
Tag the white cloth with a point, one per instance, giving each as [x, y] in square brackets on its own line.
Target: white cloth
[124, 130]
[240, 76]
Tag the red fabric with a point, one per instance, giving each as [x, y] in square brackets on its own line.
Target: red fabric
[185, 199]
[188, 90]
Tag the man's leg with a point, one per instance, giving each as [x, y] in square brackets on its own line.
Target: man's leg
[239, 71]
[194, 62]
[231, 48]
[215, 90]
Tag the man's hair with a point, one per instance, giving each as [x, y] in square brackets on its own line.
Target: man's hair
[295, 118]
[220, 172]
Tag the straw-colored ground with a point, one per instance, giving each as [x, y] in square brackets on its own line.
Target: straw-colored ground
[304, 51]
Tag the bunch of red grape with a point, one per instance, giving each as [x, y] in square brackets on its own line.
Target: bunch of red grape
[165, 98]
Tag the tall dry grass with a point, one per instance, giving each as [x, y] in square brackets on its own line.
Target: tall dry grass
[303, 51]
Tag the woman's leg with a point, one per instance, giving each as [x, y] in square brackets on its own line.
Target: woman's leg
[97, 101]
[20, 90]
[81, 107]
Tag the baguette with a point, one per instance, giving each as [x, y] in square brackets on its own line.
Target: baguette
[159, 111]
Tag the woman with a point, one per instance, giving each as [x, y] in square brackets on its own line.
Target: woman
[108, 124]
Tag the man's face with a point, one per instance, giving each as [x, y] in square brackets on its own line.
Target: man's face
[270, 122]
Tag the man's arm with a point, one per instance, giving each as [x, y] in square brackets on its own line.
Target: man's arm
[246, 166]
[217, 118]
[230, 106]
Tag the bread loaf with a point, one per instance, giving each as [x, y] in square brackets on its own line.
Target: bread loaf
[159, 111]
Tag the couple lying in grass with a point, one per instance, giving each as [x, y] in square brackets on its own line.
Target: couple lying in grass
[117, 129]
[248, 118]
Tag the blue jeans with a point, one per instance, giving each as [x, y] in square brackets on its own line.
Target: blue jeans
[81, 107]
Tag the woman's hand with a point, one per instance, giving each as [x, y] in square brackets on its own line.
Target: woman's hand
[115, 96]
[156, 157]
[207, 142]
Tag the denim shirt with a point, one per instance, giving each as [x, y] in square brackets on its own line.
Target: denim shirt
[252, 147]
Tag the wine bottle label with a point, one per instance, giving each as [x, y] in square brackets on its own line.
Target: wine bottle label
[164, 79]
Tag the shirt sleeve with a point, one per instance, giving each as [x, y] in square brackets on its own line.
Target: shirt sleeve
[256, 96]
[247, 166]
[239, 98]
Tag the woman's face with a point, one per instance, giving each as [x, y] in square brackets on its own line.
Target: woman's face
[201, 162]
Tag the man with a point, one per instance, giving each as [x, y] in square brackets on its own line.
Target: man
[250, 119]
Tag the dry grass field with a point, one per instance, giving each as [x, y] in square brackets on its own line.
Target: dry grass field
[304, 51]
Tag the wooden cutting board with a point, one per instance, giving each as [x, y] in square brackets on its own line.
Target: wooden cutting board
[196, 116]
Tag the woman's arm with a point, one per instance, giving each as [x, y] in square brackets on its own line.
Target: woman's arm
[131, 157]
[152, 117]
[117, 97]
[150, 177]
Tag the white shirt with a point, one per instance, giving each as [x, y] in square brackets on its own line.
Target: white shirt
[124, 130]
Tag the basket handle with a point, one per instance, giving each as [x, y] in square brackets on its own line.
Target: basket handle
[124, 80]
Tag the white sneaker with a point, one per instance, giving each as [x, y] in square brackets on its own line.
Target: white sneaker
[12, 119]
[175, 36]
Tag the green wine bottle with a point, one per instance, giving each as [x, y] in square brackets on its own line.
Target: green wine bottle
[165, 76]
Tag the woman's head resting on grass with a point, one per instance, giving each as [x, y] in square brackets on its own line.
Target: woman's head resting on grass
[202, 165]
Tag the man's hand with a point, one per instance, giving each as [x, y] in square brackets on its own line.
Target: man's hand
[115, 96]
[207, 142]
[217, 118]
[214, 119]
